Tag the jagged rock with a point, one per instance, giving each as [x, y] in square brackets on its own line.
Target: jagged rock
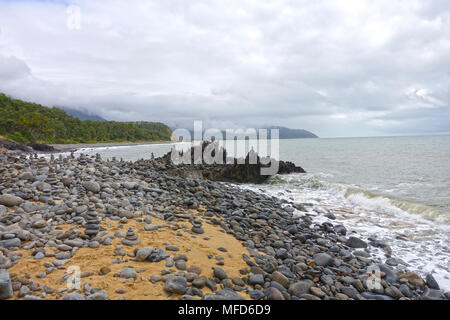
[230, 170]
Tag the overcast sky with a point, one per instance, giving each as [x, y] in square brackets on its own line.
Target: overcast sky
[334, 67]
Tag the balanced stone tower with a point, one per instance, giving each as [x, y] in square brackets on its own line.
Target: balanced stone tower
[131, 238]
[92, 224]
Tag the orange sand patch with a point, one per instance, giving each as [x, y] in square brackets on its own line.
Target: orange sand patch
[195, 247]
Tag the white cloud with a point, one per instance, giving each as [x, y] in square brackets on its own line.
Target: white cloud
[335, 67]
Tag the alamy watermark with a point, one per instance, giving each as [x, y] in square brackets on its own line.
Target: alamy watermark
[373, 282]
[74, 279]
[73, 17]
[249, 146]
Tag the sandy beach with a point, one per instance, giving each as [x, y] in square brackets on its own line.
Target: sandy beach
[76, 146]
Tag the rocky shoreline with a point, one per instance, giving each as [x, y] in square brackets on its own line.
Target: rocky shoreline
[142, 230]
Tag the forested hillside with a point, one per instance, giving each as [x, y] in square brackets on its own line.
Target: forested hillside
[27, 122]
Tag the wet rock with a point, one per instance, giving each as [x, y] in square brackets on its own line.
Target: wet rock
[393, 292]
[414, 279]
[432, 294]
[431, 282]
[390, 275]
[405, 290]
[354, 242]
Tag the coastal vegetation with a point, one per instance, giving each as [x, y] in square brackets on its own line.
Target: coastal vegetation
[27, 122]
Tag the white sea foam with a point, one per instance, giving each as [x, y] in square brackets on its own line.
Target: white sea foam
[418, 239]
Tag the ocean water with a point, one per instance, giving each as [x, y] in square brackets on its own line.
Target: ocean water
[395, 189]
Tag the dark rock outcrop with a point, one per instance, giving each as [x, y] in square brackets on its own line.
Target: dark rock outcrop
[231, 169]
[42, 147]
[13, 146]
[9, 145]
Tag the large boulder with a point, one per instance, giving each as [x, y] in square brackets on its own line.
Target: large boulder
[10, 200]
[10, 243]
[354, 242]
[143, 253]
[91, 186]
[176, 284]
[299, 288]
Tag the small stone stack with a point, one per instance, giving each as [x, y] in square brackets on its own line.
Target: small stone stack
[131, 238]
[51, 177]
[82, 159]
[46, 195]
[92, 224]
[42, 163]
[197, 227]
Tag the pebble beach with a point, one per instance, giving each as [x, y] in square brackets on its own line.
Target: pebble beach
[132, 230]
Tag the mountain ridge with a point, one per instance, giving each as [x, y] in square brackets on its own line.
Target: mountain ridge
[284, 132]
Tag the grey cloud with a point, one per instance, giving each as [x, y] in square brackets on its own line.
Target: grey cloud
[12, 69]
[337, 68]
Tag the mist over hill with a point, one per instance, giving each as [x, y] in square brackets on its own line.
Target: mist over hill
[82, 114]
